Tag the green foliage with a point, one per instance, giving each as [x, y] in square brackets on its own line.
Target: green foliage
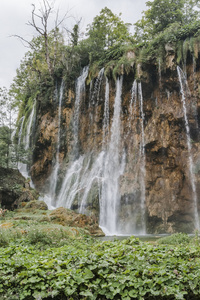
[162, 14]
[7, 126]
[86, 269]
[123, 65]
[106, 34]
[175, 239]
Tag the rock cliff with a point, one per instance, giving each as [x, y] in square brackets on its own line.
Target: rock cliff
[154, 158]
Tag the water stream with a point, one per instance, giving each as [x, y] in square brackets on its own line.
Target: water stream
[80, 89]
[184, 88]
[23, 168]
[113, 168]
[54, 174]
[142, 163]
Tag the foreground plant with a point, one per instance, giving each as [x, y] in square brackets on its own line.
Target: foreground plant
[86, 269]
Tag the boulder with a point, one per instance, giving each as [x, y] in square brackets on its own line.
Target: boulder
[68, 217]
[36, 204]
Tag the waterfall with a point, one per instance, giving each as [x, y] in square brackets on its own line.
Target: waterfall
[106, 115]
[54, 174]
[183, 89]
[70, 185]
[113, 168]
[143, 161]
[80, 89]
[94, 175]
[69, 188]
[132, 105]
[94, 106]
[20, 130]
[134, 198]
[97, 86]
[98, 174]
[26, 141]
[28, 130]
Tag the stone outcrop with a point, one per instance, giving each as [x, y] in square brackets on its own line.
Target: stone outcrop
[14, 189]
[69, 218]
[169, 205]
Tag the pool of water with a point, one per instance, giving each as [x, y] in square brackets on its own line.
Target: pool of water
[144, 238]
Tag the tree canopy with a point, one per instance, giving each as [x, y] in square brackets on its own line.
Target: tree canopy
[106, 31]
[162, 14]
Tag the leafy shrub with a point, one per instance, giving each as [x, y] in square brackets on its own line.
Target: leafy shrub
[89, 269]
[175, 239]
[4, 240]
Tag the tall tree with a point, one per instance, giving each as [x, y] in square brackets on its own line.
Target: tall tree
[163, 13]
[7, 126]
[48, 35]
[106, 31]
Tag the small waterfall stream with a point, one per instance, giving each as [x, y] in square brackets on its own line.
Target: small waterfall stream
[54, 174]
[142, 164]
[113, 168]
[20, 130]
[26, 140]
[70, 185]
[106, 118]
[80, 89]
[184, 88]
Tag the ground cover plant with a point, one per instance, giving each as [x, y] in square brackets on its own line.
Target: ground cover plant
[51, 261]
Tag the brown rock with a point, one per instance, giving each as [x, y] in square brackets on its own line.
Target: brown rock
[36, 204]
[68, 217]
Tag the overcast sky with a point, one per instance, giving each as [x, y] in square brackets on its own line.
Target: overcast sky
[14, 14]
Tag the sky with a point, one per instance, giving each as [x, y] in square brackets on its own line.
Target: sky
[15, 14]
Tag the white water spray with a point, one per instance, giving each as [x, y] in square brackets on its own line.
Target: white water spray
[143, 162]
[80, 89]
[106, 118]
[54, 174]
[113, 168]
[23, 166]
[184, 87]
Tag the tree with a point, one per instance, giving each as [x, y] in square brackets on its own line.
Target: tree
[7, 126]
[106, 31]
[161, 14]
[48, 38]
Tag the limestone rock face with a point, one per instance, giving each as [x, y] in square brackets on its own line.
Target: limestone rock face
[67, 217]
[169, 205]
[14, 189]
[36, 204]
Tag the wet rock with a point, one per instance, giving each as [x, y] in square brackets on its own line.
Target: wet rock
[68, 217]
[36, 204]
[11, 187]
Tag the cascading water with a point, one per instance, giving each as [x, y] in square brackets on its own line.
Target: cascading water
[26, 141]
[94, 105]
[80, 89]
[97, 86]
[106, 115]
[113, 168]
[20, 130]
[70, 183]
[134, 199]
[28, 130]
[54, 175]
[183, 89]
[142, 164]
[98, 174]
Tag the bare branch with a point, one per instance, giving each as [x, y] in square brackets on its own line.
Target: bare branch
[30, 45]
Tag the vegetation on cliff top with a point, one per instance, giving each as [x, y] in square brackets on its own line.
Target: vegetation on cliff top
[108, 43]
